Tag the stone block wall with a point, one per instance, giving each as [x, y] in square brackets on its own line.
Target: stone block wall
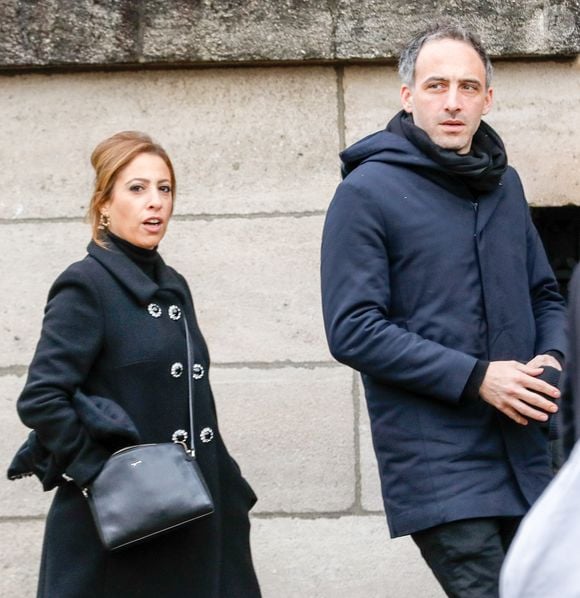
[256, 157]
[255, 150]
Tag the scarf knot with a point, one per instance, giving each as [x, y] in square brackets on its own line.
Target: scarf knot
[480, 170]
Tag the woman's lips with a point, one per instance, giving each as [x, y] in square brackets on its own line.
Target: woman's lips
[153, 224]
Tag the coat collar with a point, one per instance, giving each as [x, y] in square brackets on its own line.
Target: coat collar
[130, 276]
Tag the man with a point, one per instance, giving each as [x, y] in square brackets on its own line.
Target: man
[437, 289]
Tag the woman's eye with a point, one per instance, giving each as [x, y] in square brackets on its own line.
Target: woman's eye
[136, 188]
[165, 189]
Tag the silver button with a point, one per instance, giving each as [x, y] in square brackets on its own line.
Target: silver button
[174, 312]
[179, 436]
[177, 369]
[154, 310]
[206, 435]
[197, 371]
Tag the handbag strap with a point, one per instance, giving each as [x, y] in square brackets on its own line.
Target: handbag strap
[190, 389]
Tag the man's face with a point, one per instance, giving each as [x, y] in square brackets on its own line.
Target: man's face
[448, 97]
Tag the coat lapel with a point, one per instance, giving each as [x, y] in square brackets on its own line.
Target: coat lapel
[131, 277]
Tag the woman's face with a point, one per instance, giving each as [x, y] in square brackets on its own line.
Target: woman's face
[141, 201]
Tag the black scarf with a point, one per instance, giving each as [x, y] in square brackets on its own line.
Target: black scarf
[480, 170]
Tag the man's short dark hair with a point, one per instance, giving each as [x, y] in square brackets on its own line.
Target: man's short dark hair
[443, 29]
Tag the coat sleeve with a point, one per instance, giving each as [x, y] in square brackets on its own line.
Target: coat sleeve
[71, 337]
[547, 303]
[356, 297]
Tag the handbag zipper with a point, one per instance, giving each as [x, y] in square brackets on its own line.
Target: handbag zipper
[128, 448]
[85, 490]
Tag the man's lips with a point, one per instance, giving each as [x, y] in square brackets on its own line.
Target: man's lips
[453, 123]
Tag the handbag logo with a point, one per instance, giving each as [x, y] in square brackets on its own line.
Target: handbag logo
[135, 463]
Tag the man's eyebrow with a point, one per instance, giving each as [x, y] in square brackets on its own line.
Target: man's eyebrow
[472, 81]
[435, 78]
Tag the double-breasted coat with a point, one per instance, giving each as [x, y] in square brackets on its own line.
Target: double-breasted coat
[111, 331]
[420, 279]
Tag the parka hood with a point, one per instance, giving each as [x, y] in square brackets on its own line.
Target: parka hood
[385, 147]
[404, 144]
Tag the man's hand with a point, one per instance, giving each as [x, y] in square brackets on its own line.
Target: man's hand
[540, 360]
[512, 387]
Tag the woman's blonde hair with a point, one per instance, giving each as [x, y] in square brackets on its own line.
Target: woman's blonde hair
[108, 159]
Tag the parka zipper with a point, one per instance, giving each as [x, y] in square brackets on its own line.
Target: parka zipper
[475, 205]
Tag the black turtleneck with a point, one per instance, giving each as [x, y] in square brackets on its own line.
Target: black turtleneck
[146, 259]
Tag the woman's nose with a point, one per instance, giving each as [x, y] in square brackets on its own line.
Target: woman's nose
[155, 199]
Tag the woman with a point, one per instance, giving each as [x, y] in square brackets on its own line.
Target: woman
[114, 328]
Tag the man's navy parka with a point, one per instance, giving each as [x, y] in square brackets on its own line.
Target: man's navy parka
[420, 279]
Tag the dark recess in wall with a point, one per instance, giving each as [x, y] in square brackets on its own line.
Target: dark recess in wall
[559, 229]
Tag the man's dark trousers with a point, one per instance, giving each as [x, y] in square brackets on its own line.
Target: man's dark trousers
[466, 555]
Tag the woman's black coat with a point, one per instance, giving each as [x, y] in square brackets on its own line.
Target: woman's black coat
[113, 332]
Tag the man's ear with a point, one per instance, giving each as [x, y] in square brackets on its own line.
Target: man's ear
[488, 101]
[407, 98]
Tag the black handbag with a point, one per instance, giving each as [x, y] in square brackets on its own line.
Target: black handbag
[148, 489]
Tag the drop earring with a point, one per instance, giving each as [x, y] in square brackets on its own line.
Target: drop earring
[104, 221]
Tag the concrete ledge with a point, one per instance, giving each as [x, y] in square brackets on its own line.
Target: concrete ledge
[60, 34]
[250, 31]
[379, 28]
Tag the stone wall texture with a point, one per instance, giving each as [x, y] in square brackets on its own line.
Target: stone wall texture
[81, 33]
[255, 151]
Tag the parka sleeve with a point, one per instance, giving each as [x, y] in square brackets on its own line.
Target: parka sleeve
[71, 337]
[355, 300]
[547, 304]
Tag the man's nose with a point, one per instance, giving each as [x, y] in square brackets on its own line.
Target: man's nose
[453, 101]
